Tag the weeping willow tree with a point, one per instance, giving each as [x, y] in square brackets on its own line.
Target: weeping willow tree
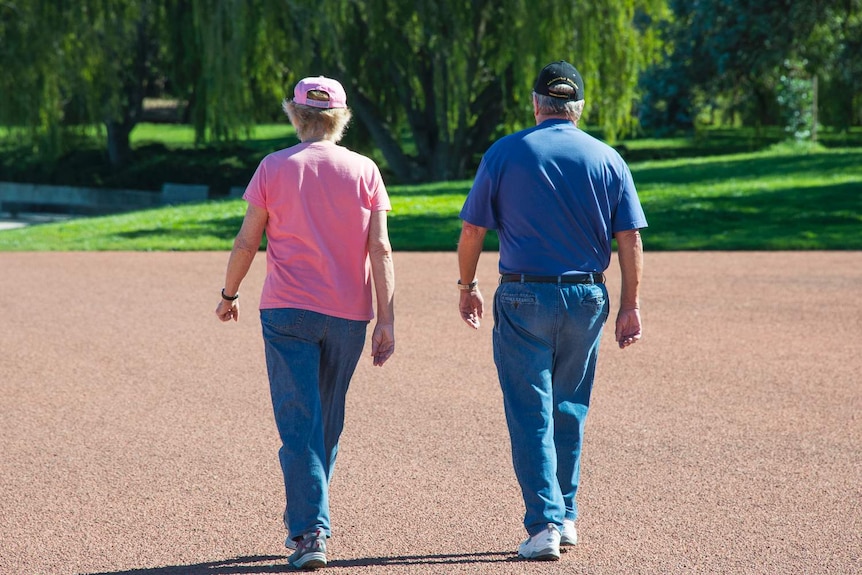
[434, 81]
[215, 45]
[69, 65]
[616, 42]
[31, 90]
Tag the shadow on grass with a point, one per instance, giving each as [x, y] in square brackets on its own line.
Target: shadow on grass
[824, 217]
[455, 187]
[430, 232]
[802, 165]
[724, 141]
[223, 228]
[414, 232]
[251, 565]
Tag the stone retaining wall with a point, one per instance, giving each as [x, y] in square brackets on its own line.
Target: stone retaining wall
[17, 197]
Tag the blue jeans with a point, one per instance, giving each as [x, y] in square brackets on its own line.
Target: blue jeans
[310, 358]
[546, 342]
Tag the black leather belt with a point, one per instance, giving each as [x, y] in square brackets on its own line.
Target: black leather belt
[593, 278]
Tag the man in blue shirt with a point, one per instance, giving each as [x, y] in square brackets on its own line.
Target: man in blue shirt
[556, 197]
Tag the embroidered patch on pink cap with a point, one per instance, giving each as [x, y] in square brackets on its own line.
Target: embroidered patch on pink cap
[328, 86]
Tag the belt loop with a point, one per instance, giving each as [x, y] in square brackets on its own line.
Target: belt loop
[559, 281]
[522, 278]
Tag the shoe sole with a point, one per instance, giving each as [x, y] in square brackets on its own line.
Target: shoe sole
[547, 557]
[310, 561]
[544, 555]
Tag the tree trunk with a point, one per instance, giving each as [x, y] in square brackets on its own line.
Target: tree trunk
[396, 159]
[119, 147]
[121, 122]
[814, 109]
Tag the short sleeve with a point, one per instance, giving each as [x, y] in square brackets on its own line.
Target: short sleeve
[478, 208]
[379, 196]
[629, 214]
[255, 192]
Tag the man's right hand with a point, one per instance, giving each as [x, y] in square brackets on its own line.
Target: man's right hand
[628, 328]
[472, 306]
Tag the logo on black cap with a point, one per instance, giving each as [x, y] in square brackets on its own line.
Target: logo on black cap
[558, 74]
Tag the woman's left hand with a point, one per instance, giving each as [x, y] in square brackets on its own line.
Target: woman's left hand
[228, 310]
[382, 343]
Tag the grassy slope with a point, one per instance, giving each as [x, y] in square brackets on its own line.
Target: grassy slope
[781, 198]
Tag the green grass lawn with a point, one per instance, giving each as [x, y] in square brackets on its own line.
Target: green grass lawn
[180, 135]
[779, 198]
[762, 201]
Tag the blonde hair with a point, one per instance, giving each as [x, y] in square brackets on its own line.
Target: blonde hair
[317, 123]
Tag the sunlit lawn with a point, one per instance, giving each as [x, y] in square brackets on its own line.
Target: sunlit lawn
[775, 199]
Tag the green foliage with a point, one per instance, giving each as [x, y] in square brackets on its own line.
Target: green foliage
[432, 82]
[211, 40]
[453, 76]
[32, 91]
[450, 76]
[615, 42]
[726, 59]
[795, 96]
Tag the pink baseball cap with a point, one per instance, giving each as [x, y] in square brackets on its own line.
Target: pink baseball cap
[337, 96]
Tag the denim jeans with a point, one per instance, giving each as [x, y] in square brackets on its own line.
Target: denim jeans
[310, 359]
[546, 342]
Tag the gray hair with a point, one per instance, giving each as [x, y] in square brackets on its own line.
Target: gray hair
[550, 106]
[317, 123]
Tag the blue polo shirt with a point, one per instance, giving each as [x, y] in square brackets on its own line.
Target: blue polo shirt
[556, 196]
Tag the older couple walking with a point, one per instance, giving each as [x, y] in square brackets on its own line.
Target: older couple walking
[555, 195]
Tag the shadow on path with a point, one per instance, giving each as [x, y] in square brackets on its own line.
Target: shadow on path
[253, 564]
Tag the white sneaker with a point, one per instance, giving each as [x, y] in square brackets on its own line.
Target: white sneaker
[290, 543]
[310, 551]
[543, 546]
[569, 535]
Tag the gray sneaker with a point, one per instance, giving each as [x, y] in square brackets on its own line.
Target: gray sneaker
[543, 546]
[310, 551]
[290, 543]
[569, 535]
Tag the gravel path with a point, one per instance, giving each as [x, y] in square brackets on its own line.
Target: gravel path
[137, 436]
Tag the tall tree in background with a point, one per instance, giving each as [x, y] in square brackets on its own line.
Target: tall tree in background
[222, 62]
[31, 94]
[833, 56]
[76, 63]
[730, 55]
[432, 82]
[449, 75]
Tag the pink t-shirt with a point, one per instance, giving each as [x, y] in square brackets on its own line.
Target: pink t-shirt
[319, 197]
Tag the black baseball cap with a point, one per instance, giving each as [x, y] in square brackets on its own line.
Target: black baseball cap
[556, 74]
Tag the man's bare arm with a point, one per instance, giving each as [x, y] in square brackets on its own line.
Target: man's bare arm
[471, 304]
[630, 253]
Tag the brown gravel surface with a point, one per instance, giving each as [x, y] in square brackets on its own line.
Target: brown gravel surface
[136, 435]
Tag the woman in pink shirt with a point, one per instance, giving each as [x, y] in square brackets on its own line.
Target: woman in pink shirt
[323, 208]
